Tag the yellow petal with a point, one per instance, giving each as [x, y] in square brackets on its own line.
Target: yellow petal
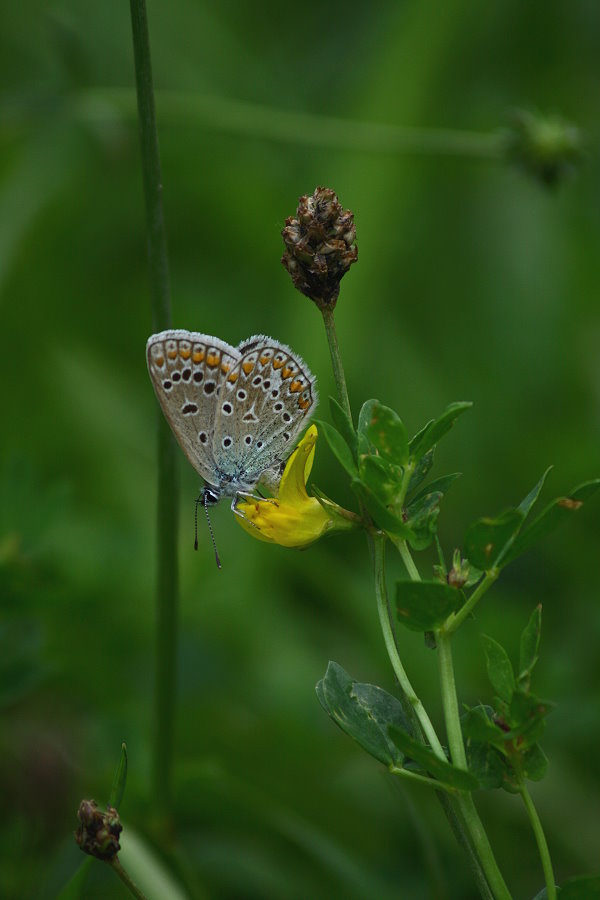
[292, 487]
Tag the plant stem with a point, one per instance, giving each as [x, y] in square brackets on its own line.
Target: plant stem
[167, 581]
[336, 361]
[378, 551]
[409, 563]
[129, 884]
[458, 756]
[456, 619]
[422, 779]
[541, 842]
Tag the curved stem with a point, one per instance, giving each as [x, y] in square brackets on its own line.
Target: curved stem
[458, 756]
[409, 563]
[422, 779]
[336, 361]
[378, 544]
[541, 842]
[456, 619]
[167, 581]
[129, 884]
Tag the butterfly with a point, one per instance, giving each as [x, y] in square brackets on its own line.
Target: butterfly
[235, 411]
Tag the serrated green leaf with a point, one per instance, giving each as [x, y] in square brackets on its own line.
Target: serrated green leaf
[386, 432]
[425, 605]
[363, 711]
[557, 512]
[499, 668]
[119, 780]
[526, 504]
[344, 425]
[381, 515]
[487, 541]
[338, 447]
[421, 471]
[441, 770]
[529, 646]
[431, 434]
[582, 887]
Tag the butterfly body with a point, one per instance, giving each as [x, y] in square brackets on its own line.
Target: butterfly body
[235, 411]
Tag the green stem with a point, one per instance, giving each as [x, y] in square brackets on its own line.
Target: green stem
[422, 779]
[129, 884]
[456, 619]
[458, 756]
[167, 581]
[409, 563]
[541, 842]
[336, 361]
[378, 545]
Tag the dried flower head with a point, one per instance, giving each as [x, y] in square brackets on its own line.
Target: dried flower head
[98, 832]
[320, 246]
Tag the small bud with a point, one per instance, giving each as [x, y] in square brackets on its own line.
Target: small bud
[459, 573]
[98, 832]
[320, 246]
[547, 147]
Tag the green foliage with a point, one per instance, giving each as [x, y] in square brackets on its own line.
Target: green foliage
[430, 435]
[428, 762]
[119, 780]
[583, 887]
[425, 605]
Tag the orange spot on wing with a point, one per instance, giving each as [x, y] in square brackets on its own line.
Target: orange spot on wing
[303, 404]
[198, 356]
[247, 367]
[287, 372]
[277, 363]
[233, 377]
[212, 360]
[264, 360]
[160, 361]
[172, 354]
[185, 354]
[295, 386]
[225, 368]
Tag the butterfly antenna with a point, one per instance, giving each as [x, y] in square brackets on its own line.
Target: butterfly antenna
[212, 534]
[198, 500]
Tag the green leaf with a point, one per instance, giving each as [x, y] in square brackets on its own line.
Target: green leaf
[382, 478]
[386, 432]
[440, 769]
[534, 763]
[487, 765]
[364, 711]
[421, 517]
[338, 447]
[120, 779]
[440, 485]
[499, 668]
[433, 431]
[421, 471]
[381, 515]
[343, 424]
[582, 887]
[526, 504]
[425, 605]
[487, 540]
[529, 647]
[527, 716]
[477, 726]
[554, 515]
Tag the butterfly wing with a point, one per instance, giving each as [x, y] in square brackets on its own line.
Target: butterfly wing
[267, 398]
[187, 371]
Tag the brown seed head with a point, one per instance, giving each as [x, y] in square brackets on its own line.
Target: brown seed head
[320, 246]
[98, 832]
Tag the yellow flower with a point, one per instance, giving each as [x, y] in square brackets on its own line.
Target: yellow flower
[293, 519]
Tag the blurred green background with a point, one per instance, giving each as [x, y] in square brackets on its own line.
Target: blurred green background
[473, 282]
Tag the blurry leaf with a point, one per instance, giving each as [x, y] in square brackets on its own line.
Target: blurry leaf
[381, 515]
[147, 868]
[477, 725]
[529, 646]
[499, 668]
[526, 504]
[385, 430]
[425, 605]
[534, 763]
[527, 717]
[380, 477]
[338, 447]
[487, 539]
[421, 517]
[431, 434]
[421, 471]
[441, 770]
[363, 711]
[440, 485]
[554, 515]
[582, 887]
[73, 889]
[487, 765]
[344, 425]
[120, 779]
